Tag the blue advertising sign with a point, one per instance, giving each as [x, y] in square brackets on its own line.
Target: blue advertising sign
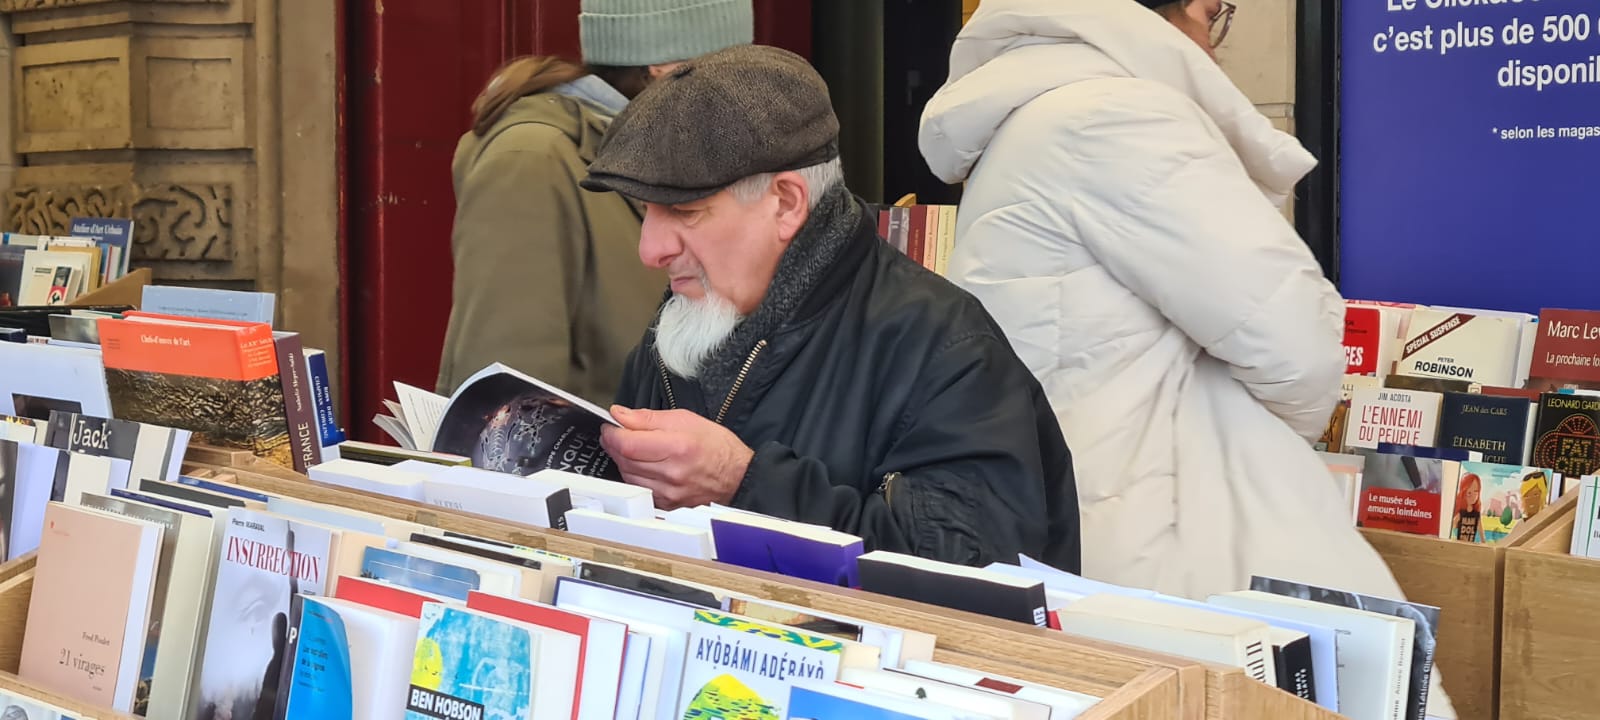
[1470, 152]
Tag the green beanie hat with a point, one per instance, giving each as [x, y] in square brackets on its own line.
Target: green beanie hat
[629, 33]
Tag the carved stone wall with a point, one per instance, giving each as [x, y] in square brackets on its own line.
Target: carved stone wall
[199, 119]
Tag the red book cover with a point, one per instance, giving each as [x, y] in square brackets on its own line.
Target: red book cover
[217, 379]
[1566, 352]
[916, 245]
[1363, 333]
[382, 596]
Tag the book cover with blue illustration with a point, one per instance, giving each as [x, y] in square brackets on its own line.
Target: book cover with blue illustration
[421, 574]
[321, 685]
[469, 664]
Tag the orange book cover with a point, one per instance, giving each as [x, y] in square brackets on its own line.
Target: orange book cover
[215, 378]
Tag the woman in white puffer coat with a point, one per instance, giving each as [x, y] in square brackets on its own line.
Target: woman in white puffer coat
[1122, 221]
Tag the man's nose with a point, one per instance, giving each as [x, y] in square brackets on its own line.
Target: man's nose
[658, 244]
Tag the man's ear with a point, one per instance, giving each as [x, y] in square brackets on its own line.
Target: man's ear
[794, 204]
[659, 71]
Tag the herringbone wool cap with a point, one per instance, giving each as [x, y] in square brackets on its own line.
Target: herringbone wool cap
[631, 33]
[739, 112]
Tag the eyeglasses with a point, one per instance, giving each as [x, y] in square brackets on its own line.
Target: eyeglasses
[1221, 22]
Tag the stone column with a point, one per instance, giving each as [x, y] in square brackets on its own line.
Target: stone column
[212, 123]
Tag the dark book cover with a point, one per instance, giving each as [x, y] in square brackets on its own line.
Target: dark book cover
[778, 552]
[1567, 434]
[1293, 661]
[1424, 617]
[1429, 453]
[102, 437]
[12, 260]
[957, 592]
[625, 579]
[299, 408]
[507, 557]
[1494, 426]
[1427, 384]
[189, 494]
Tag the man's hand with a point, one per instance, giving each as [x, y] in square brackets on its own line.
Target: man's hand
[685, 459]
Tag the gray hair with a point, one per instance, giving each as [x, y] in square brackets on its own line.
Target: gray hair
[819, 179]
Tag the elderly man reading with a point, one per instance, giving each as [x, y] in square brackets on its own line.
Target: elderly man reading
[801, 367]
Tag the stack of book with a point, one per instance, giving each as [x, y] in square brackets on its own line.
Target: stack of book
[207, 361]
[925, 233]
[212, 600]
[1460, 423]
[38, 270]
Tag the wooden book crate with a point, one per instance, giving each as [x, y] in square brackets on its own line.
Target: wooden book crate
[1464, 581]
[1550, 630]
[1134, 683]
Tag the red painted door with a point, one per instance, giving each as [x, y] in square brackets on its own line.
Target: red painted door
[412, 70]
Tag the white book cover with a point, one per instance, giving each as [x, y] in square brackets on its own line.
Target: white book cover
[1478, 348]
[666, 621]
[1063, 704]
[1586, 525]
[37, 378]
[369, 477]
[499, 495]
[94, 474]
[1392, 415]
[966, 700]
[647, 533]
[32, 473]
[1527, 336]
[615, 498]
[635, 673]
[1186, 631]
[1374, 650]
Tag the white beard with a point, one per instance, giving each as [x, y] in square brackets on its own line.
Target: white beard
[690, 330]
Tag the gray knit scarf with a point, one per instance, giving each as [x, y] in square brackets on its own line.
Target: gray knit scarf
[812, 253]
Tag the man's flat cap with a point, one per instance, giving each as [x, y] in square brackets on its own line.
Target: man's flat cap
[715, 120]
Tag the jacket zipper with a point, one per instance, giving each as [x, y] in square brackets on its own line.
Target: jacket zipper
[738, 382]
[666, 382]
[887, 487]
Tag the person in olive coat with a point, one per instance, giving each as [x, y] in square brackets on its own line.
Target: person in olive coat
[547, 276]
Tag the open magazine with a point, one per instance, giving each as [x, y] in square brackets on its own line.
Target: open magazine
[504, 421]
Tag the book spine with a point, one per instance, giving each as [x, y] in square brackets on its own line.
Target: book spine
[298, 406]
[322, 398]
[557, 504]
[916, 246]
[1294, 669]
[1255, 661]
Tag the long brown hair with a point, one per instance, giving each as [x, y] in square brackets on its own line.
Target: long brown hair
[519, 77]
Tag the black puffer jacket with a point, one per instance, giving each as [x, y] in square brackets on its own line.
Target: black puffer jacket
[889, 405]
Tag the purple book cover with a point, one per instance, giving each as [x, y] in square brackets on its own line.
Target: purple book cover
[773, 551]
